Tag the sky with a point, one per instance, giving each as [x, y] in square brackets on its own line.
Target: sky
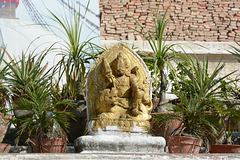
[60, 9]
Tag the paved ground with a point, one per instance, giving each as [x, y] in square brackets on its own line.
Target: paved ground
[97, 156]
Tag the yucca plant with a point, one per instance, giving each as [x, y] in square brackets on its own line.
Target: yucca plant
[232, 89]
[27, 71]
[197, 120]
[44, 120]
[4, 97]
[198, 92]
[162, 52]
[4, 90]
[77, 53]
[194, 78]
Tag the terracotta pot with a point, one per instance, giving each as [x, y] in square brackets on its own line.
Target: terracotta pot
[4, 124]
[183, 144]
[162, 129]
[57, 145]
[4, 147]
[224, 148]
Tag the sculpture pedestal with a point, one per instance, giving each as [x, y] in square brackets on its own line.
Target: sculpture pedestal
[120, 142]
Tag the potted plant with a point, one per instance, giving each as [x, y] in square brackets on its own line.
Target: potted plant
[4, 116]
[229, 112]
[196, 91]
[22, 73]
[77, 54]
[157, 60]
[46, 126]
[196, 124]
[39, 118]
[160, 56]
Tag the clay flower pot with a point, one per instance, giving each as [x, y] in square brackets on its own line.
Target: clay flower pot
[162, 129]
[183, 144]
[4, 147]
[4, 124]
[57, 145]
[225, 148]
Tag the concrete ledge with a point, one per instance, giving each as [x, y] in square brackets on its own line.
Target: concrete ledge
[77, 156]
[188, 46]
[121, 143]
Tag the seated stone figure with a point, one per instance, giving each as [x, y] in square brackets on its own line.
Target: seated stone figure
[118, 97]
[118, 92]
[124, 94]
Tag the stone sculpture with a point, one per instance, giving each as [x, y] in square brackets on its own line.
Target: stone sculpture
[118, 91]
[118, 103]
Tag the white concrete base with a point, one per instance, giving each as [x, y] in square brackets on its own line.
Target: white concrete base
[120, 143]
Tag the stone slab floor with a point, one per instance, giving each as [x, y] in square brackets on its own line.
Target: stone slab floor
[97, 156]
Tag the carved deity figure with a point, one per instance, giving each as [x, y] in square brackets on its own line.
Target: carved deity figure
[123, 96]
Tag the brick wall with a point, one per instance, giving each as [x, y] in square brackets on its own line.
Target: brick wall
[191, 20]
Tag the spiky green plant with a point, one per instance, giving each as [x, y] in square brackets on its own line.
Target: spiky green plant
[195, 78]
[230, 88]
[198, 91]
[162, 52]
[195, 117]
[229, 114]
[44, 120]
[236, 51]
[4, 90]
[27, 71]
[77, 53]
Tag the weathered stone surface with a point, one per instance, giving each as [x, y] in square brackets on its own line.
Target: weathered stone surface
[119, 103]
[118, 91]
[120, 142]
[120, 156]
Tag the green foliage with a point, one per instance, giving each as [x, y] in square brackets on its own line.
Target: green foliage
[76, 55]
[230, 114]
[44, 120]
[162, 52]
[197, 120]
[4, 90]
[230, 88]
[194, 78]
[26, 72]
[197, 90]
[31, 85]
[236, 51]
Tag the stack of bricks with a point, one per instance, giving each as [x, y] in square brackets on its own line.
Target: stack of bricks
[190, 20]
